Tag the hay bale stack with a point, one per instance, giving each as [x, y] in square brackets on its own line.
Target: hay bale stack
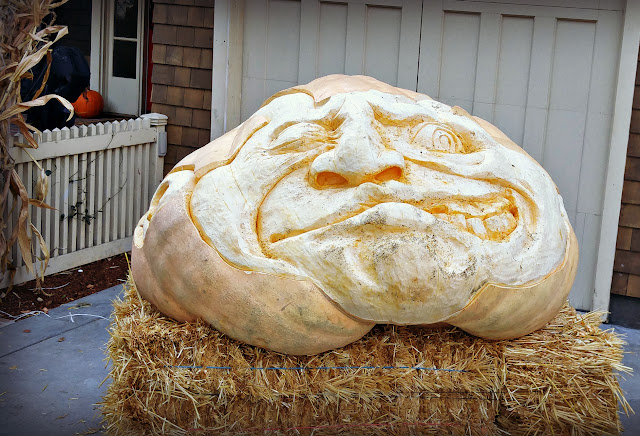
[187, 378]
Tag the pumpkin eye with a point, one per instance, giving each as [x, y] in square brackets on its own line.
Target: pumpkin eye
[438, 137]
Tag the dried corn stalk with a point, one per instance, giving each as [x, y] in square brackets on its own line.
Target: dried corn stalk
[23, 43]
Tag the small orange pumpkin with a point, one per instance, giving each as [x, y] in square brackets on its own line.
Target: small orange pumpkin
[89, 104]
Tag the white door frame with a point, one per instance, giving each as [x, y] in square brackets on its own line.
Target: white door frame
[101, 60]
[617, 155]
[226, 96]
[226, 80]
[97, 42]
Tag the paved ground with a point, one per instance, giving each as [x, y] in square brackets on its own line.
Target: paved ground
[631, 385]
[51, 369]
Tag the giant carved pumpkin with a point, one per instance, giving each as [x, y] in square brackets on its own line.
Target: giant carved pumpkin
[348, 202]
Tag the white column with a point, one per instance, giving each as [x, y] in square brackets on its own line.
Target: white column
[158, 122]
[617, 155]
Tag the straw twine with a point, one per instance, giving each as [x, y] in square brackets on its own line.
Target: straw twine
[559, 380]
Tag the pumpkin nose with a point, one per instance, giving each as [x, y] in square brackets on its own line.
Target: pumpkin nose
[360, 156]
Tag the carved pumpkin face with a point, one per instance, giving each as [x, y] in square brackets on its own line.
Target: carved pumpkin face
[397, 207]
[398, 210]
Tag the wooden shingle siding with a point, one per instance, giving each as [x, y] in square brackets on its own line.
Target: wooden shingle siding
[182, 58]
[626, 268]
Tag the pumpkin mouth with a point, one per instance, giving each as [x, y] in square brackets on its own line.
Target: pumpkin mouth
[491, 218]
[494, 220]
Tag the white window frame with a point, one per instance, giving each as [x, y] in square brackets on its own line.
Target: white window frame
[101, 56]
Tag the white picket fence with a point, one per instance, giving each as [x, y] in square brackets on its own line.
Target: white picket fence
[102, 177]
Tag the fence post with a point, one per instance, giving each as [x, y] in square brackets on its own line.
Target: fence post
[158, 121]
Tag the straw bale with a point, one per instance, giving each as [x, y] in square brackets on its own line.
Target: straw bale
[166, 379]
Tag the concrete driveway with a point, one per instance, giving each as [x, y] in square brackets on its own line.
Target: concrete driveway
[52, 367]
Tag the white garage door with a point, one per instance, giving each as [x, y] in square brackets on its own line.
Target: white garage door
[545, 75]
[286, 43]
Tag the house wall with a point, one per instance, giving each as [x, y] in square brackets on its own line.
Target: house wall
[182, 56]
[626, 268]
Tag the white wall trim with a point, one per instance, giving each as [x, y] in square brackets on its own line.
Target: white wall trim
[219, 67]
[97, 14]
[617, 155]
[226, 86]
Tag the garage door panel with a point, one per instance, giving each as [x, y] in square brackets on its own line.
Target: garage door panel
[536, 112]
[510, 118]
[486, 111]
[568, 104]
[270, 50]
[382, 44]
[253, 53]
[514, 61]
[535, 123]
[572, 62]
[256, 91]
[253, 96]
[508, 8]
[289, 42]
[332, 41]
[541, 60]
[430, 48]
[563, 152]
[283, 40]
[512, 77]
[409, 44]
[606, 55]
[356, 27]
[600, 113]
[459, 57]
[487, 59]
[273, 86]
[588, 226]
[616, 5]
[593, 169]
